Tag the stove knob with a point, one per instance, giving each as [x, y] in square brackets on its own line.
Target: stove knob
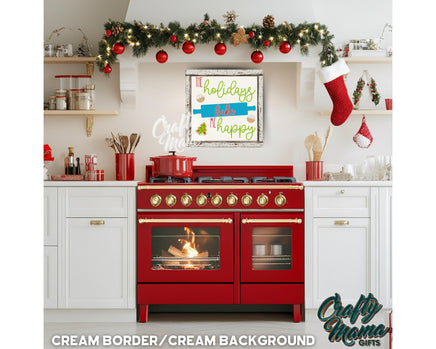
[262, 200]
[217, 200]
[186, 200]
[170, 200]
[246, 200]
[155, 200]
[232, 200]
[280, 200]
[201, 200]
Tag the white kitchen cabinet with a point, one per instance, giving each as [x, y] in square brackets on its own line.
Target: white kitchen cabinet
[347, 241]
[50, 277]
[90, 254]
[94, 263]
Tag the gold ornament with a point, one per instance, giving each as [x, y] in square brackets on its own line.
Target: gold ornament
[240, 37]
[268, 21]
[230, 17]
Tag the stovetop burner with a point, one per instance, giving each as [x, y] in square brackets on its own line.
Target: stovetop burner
[223, 179]
[273, 180]
[170, 180]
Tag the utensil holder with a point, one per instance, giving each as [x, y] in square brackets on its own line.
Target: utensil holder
[314, 170]
[388, 102]
[125, 167]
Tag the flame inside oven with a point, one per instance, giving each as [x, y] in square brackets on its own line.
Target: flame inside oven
[189, 246]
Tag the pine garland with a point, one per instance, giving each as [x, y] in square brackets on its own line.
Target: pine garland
[141, 37]
[375, 95]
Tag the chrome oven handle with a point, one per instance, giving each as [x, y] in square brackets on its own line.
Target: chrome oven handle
[184, 220]
[289, 220]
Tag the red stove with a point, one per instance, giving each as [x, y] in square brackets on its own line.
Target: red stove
[228, 235]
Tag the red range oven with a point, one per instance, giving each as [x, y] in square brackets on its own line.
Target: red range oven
[228, 235]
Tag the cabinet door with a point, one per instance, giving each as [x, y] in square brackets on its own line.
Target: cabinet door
[50, 277]
[94, 262]
[341, 259]
[50, 216]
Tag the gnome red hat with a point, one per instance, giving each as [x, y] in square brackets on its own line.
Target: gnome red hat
[363, 137]
[332, 78]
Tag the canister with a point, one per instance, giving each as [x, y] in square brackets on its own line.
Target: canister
[61, 102]
[65, 82]
[90, 89]
[52, 103]
[82, 101]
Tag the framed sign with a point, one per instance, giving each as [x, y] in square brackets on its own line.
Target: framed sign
[224, 108]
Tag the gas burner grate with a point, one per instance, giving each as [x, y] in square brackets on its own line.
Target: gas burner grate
[273, 180]
[223, 179]
[170, 180]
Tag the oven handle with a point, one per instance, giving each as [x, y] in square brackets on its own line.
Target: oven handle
[289, 220]
[184, 220]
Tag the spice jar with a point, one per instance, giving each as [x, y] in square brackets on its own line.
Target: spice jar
[52, 103]
[82, 101]
[61, 102]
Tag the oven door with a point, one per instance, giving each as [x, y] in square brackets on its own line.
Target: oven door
[272, 247]
[185, 247]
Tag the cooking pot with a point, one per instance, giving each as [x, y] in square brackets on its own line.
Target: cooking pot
[173, 165]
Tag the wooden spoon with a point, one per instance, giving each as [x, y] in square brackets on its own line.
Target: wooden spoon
[132, 141]
[110, 143]
[308, 143]
[124, 142]
[317, 148]
[136, 143]
[326, 138]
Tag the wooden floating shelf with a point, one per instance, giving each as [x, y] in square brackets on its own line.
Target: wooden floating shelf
[89, 61]
[368, 59]
[361, 112]
[89, 114]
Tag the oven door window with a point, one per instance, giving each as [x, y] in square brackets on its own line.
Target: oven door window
[185, 248]
[272, 248]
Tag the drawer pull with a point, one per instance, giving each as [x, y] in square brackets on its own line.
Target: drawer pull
[342, 222]
[254, 220]
[97, 222]
[342, 191]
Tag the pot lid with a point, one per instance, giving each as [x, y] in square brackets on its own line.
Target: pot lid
[173, 156]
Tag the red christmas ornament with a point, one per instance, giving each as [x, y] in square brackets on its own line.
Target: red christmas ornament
[161, 56]
[285, 47]
[108, 33]
[251, 34]
[173, 38]
[266, 43]
[107, 69]
[257, 57]
[188, 47]
[220, 48]
[118, 48]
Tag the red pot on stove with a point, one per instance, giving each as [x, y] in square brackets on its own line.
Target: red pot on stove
[173, 165]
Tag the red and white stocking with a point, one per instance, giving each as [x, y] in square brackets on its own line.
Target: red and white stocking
[332, 78]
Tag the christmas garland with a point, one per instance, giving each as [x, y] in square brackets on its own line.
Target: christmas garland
[141, 37]
[357, 94]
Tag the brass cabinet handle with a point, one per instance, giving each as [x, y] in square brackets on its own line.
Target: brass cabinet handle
[248, 220]
[184, 220]
[342, 222]
[97, 222]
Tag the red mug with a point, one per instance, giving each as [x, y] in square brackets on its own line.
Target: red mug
[314, 170]
[388, 102]
[125, 167]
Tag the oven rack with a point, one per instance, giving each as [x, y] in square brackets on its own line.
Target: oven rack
[185, 259]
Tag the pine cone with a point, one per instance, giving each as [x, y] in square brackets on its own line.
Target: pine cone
[230, 17]
[268, 22]
[117, 30]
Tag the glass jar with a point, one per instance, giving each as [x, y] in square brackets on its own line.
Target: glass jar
[82, 101]
[61, 102]
[52, 103]
[81, 81]
[90, 89]
[65, 82]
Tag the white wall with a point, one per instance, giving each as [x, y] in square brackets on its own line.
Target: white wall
[161, 90]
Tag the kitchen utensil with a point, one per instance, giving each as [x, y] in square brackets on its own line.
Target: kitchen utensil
[314, 170]
[110, 143]
[117, 145]
[317, 148]
[173, 165]
[326, 138]
[136, 143]
[308, 143]
[124, 140]
[133, 137]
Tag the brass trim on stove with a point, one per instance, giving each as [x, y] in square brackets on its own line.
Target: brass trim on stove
[185, 220]
[290, 220]
[222, 186]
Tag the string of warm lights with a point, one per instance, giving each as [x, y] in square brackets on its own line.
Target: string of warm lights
[141, 37]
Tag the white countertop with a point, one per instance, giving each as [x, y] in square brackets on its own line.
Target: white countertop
[90, 183]
[347, 183]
